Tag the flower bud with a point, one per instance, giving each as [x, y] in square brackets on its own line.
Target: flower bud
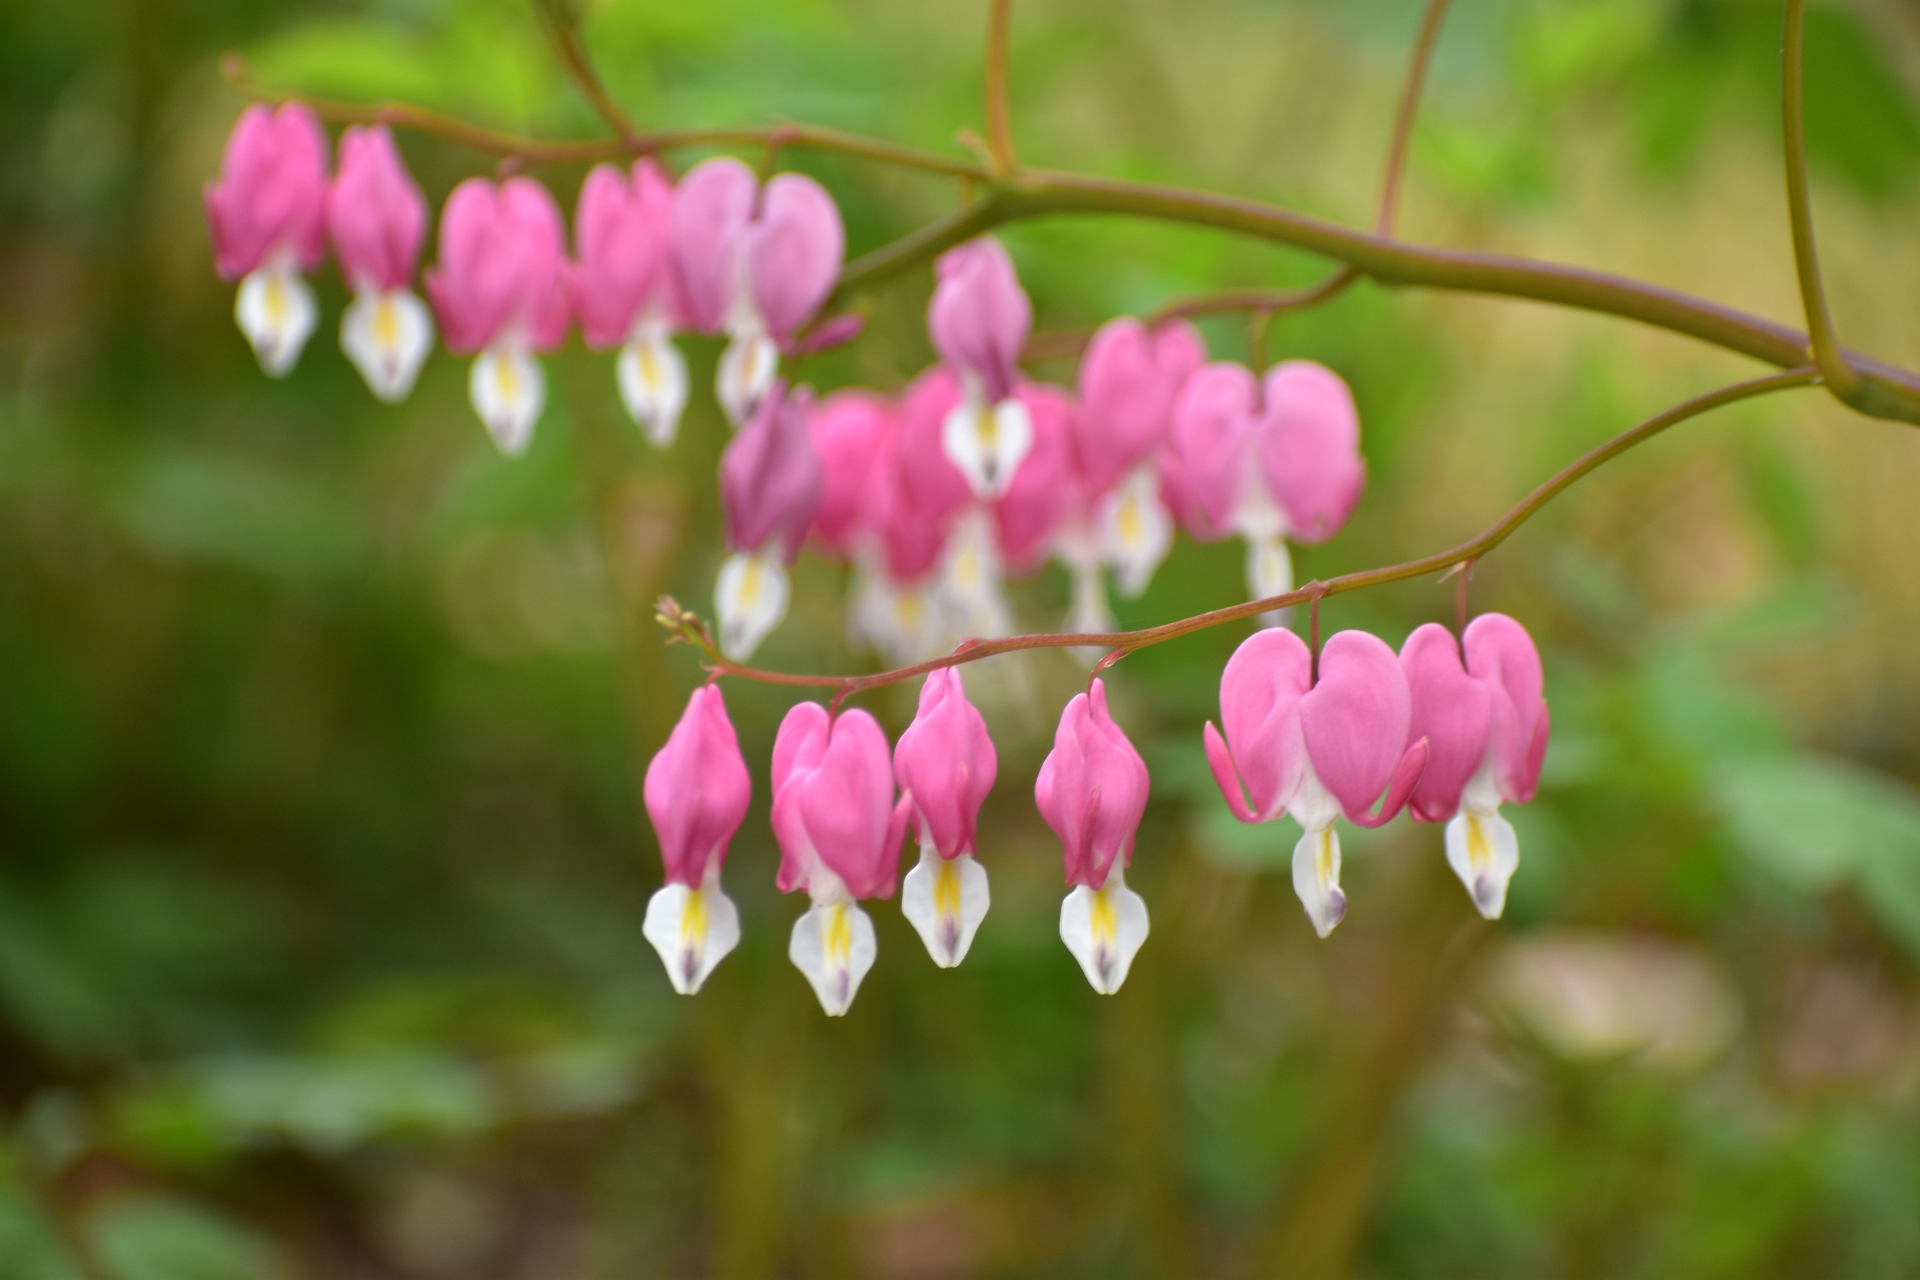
[376, 219]
[1092, 790]
[697, 790]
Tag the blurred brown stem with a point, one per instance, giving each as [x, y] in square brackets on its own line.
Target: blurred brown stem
[1822, 339]
[1128, 641]
[562, 23]
[999, 125]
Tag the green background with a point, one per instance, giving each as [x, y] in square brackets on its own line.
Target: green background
[321, 858]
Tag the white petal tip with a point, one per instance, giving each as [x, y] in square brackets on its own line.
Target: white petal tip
[1316, 879]
[987, 443]
[653, 385]
[1104, 929]
[693, 930]
[747, 369]
[508, 389]
[387, 335]
[1484, 852]
[945, 899]
[833, 945]
[749, 599]
[276, 311]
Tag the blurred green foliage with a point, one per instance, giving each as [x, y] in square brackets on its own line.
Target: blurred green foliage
[321, 867]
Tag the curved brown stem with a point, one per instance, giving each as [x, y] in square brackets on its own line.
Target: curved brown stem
[1416, 81]
[1822, 339]
[999, 122]
[562, 23]
[686, 628]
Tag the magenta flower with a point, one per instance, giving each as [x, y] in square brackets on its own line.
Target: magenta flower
[376, 219]
[853, 434]
[979, 318]
[1130, 378]
[1487, 723]
[697, 791]
[945, 765]
[839, 832]
[500, 290]
[1270, 460]
[266, 216]
[755, 263]
[1315, 749]
[622, 283]
[769, 491]
[1092, 790]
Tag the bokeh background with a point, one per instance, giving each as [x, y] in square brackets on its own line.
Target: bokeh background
[321, 858]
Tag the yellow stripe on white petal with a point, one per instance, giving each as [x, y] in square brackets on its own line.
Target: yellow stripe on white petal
[833, 946]
[1484, 852]
[508, 389]
[987, 442]
[276, 310]
[945, 899]
[750, 599]
[1104, 928]
[1136, 530]
[693, 930]
[1316, 878]
[747, 369]
[387, 333]
[653, 384]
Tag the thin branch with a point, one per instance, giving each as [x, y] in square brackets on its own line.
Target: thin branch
[1409, 108]
[686, 628]
[403, 115]
[562, 23]
[1824, 342]
[999, 124]
[1271, 301]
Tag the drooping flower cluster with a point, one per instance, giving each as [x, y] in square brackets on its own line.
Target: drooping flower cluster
[716, 254]
[972, 474]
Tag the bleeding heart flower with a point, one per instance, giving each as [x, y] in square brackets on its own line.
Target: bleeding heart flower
[839, 832]
[376, 219]
[697, 791]
[979, 318]
[756, 263]
[500, 289]
[1092, 790]
[623, 287]
[769, 491]
[945, 765]
[1315, 749]
[266, 216]
[1270, 460]
[853, 435]
[1488, 726]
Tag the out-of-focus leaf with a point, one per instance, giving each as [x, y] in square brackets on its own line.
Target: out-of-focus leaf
[1861, 119]
[332, 1104]
[29, 1249]
[240, 514]
[162, 1238]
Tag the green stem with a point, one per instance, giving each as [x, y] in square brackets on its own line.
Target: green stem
[1822, 339]
[999, 122]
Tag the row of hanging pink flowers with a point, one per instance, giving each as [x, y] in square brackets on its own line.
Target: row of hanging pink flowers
[973, 473]
[1448, 729]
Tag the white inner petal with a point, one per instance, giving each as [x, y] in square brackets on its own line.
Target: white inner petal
[653, 383]
[1484, 852]
[1269, 573]
[387, 334]
[508, 389]
[987, 443]
[747, 369]
[1104, 928]
[945, 899]
[969, 586]
[1089, 613]
[1316, 878]
[1136, 530]
[750, 599]
[904, 623]
[833, 945]
[693, 930]
[276, 310]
